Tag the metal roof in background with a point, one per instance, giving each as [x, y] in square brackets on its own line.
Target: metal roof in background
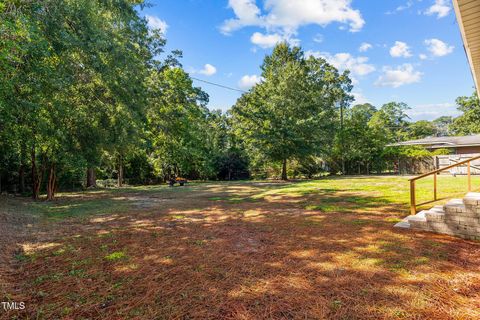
[443, 142]
[468, 17]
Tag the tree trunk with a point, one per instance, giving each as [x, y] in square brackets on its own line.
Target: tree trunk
[284, 170]
[120, 173]
[21, 179]
[91, 178]
[35, 180]
[51, 185]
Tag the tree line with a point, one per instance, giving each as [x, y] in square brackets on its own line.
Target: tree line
[88, 92]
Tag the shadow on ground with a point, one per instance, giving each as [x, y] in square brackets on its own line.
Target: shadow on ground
[243, 251]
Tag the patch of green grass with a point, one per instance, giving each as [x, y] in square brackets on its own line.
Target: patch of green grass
[21, 257]
[41, 279]
[199, 243]
[106, 235]
[336, 304]
[234, 199]
[310, 222]
[117, 255]
[325, 207]
[82, 262]
[78, 208]
[372, 191]
[432, 243]
[48, 277]
[79, 273]
[59, 252]
[356, 222]
[397, 266]
[393, 220]
[421, 260]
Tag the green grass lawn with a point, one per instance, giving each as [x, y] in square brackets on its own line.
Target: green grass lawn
[360, 193]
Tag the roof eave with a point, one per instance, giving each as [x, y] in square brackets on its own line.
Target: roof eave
[466, 46]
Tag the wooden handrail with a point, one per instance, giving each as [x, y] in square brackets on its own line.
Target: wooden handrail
[446, 168]
[413, 202]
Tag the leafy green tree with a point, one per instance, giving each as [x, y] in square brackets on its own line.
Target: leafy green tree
[442, 125]
[361, 142]
[421, 129]
[469, 122]
[390, 122]
[176, 124]
[290, 114]
[229, 159]
[79, 71]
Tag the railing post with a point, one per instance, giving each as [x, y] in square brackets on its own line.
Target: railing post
[413, 205]
[435, 186]
[469, 177]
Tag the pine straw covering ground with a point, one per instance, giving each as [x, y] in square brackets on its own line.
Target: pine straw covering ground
[246, 251]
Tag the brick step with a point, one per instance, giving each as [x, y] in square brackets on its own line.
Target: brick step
[459, 217]
[472, 199]
[457, 207]
[453, 229]
[439, 216]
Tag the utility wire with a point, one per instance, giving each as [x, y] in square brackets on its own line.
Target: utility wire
[219, 85]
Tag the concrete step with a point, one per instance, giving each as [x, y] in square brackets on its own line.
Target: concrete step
[406, 222]
[457, 208]
[472, 199]
[419, 221]
[455, 205]
[435, 215]
[403, 224]
[459, 217]
[420, 217]
[438, 208]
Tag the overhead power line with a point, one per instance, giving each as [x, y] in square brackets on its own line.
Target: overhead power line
[219, 85]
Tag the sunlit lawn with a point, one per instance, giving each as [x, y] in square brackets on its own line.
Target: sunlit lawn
[245, 250]
[371, 191]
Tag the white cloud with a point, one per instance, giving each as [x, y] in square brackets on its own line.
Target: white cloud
[400, 49]
[247, 14]
[286, 16]
[265, 40]
[358, 66]
[438, 48]
[345, 61]
[157, 23]
[364, 47]
[402, 75]
[400, 8]
[433, 111]
[359, 98]
[318, 38]
[246, 82]
[208, 70]
[441, 8]
[423, 56]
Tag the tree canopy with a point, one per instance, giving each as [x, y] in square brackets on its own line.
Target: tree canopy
[292, 113]
[87, 91]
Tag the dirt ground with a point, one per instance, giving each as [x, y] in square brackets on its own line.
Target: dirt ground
[250, 250]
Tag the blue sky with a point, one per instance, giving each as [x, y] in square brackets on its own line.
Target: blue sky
[398, 50]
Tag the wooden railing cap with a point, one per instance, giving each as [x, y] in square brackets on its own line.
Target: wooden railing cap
[443, 169]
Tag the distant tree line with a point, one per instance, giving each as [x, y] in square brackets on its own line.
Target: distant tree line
[87, 92]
